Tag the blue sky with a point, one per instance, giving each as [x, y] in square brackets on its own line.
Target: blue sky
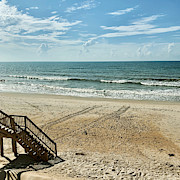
[89, 30]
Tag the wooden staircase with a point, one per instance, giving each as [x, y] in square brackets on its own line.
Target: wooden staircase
[23, 131]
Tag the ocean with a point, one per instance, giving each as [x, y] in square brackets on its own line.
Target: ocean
[118, 80]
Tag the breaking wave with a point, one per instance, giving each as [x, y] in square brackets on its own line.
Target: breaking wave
[141, 94]
[144, 82]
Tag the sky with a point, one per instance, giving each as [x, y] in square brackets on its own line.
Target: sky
[89, 30]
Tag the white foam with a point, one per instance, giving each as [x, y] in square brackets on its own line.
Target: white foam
[171, 94]
[53, 78]
[114, 81]
[159, 83]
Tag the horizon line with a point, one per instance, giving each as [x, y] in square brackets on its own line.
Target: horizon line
[87, 61]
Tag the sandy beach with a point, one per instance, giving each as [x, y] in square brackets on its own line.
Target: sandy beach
[102, 138]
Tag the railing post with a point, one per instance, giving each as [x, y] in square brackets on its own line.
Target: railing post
[1, 144]
[14, 147]
[25, 122]
[29, 126]
[56, 149]
[12, 123]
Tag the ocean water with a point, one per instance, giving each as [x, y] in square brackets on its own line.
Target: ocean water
[118, 80]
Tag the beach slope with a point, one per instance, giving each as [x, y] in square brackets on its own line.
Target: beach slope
[103, 138]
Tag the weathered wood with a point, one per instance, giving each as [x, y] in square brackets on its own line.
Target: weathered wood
[14, 147]
[23, 131]
[12, 124]
[1, 144]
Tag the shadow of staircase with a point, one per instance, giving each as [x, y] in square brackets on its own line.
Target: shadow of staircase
[24, 163]
[41, 150]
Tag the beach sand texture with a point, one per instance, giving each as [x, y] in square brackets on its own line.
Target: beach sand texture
[102, 138]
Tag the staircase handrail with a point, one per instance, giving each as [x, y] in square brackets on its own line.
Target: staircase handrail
[6, 123]
[28, 124]
[3, 113]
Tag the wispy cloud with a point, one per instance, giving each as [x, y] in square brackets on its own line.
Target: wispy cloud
[124, 11]
[170, 47]
[32, 8]
[138, 25]
[142, 26]
[18, 26]
[89, 4]
[54, 12]
[87, 35]
[43, 48]
[144, 50]
[146, 20]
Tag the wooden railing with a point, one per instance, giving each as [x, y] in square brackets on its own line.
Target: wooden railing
[5, 119]
[24, 123]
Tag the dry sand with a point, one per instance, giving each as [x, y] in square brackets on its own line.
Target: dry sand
[102, 138]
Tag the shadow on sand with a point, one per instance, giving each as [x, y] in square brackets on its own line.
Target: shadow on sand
[24, 163]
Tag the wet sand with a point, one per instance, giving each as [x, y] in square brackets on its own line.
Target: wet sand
[103, 138]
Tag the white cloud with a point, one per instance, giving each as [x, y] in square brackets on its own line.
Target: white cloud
[170, 47]
[54, 12]
[17, 26]
[129, 28]
[148, 19]
[89, 4]
[87, 35]
[142, 26]
[43, 48]
[144, 50]
[88, 43]
[101, 51]
[32, 8]
[139, 27]
[146, 32]
[124, 11]
[130, 51]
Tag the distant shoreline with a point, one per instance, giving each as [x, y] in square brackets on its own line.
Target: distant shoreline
[84, 61]
[57, 96]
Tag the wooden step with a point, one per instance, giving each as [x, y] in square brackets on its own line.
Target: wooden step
[29, 140]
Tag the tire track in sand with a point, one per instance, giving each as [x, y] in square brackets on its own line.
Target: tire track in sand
[69, 116]
[114, 114]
